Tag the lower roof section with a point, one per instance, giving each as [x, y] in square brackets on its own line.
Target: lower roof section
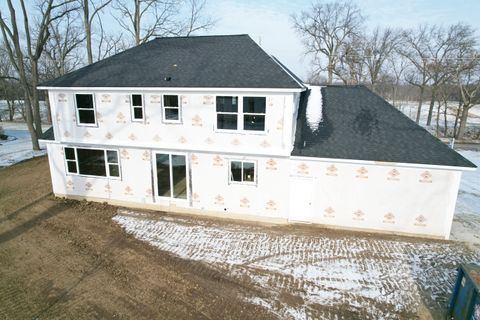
[352, 122]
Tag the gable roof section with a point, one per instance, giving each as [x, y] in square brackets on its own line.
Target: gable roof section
[360, 125]
[233, 61]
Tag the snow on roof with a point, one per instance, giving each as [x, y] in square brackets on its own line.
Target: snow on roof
[314, 107]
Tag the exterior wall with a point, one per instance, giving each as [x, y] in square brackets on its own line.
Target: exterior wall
[210, 190]
[381, 198]
[196, 132]
[377, 197]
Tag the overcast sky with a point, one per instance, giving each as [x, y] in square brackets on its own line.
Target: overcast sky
[270, 20]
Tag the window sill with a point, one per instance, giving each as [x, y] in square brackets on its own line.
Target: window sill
[90, 125]
[171, 122]
[252, 184]
[242, 132]
[89, 176]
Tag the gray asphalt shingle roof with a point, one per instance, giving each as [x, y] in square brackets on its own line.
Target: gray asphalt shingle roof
[233, 61]
[358, 124]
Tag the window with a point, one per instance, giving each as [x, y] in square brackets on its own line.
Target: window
[85, 109]
[171, 175]
[254, 113]
[242, 171]
[92, 162]
[136, 101]
[71, 160]
[227, 113]
[171, 109]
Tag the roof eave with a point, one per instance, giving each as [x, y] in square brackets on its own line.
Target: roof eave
[193, 89]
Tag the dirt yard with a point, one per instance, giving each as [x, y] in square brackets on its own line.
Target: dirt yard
[68, 259]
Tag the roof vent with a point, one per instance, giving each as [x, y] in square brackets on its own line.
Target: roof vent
[167, 78]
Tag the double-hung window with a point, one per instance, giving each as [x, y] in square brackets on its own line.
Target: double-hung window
[254, 113]
[227, 113]
[85, 106]
[171, 108]
[242, 171]
[92, 162]
[136, 101]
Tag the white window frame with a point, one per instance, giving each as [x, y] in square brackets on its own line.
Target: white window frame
[187, 175]
[78, 109]
[224, 112]
[132, 107]
[179, 107]
[255, 173]
[240, 119]
[255, 114]
[107, 167]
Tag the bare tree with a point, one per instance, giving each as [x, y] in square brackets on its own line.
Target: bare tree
[414, 47]
[351, 68]
[325, 28]
[443, 49]
[396, 66]
[144, 19]
[26, 54]
[90, 10]
[61, 49]
[109, 44]
[468, 80]
[378, 47]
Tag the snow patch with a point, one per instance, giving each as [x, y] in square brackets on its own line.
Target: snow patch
[386, 278]
[18, 146]
[314, 107]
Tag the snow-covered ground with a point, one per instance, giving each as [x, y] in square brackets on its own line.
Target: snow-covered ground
[314, 274]
[409, 108]
[19, 145]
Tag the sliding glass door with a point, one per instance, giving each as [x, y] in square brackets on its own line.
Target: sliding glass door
[171, 175]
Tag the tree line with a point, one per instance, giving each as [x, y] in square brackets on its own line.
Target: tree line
[45, 39]
[441, 62]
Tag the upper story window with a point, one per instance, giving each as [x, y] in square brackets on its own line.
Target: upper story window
[249, 116]
[92, 162]
[171, 108]
[227, 113]
[85, 106]
[136, 102]
[254, 113]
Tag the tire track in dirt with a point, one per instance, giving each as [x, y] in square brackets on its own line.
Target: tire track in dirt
[304, 276]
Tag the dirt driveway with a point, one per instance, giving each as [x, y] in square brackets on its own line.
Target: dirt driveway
[68, 259]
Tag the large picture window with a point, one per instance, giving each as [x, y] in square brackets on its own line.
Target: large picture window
[92, 162]
[171, 175]
[85, 106]
[242, 171]
[254, 113]
[227, 113]
[136, 101]
[171, 108]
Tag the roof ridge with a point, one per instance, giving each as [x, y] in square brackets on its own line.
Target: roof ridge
[203, 36]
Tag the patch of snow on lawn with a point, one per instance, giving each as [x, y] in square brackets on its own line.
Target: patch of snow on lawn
[19, 145]
[314, 107]
[371, 277]
[468, 201]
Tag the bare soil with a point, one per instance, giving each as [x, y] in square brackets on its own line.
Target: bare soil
[68, 259]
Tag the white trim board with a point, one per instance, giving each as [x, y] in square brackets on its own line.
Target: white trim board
[384, 163]
[171, 89]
